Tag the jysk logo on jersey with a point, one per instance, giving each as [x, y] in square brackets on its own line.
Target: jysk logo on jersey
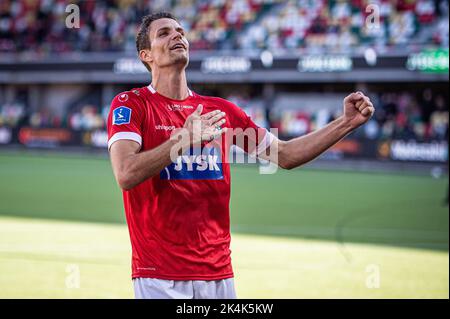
[121, 115]
[199, 163]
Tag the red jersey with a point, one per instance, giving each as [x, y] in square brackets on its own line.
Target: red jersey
[178, 220]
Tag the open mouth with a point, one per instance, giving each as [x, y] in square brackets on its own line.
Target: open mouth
[178, 46]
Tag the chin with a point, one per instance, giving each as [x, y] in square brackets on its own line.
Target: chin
[181, 59]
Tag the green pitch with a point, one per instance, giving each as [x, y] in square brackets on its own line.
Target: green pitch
[296, 234]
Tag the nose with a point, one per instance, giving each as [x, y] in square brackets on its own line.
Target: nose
[177, 35]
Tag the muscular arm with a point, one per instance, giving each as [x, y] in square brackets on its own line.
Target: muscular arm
[290, 154]
[131, 168]
[301, 150]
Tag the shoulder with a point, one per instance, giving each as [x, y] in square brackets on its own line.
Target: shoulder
[132, 101]
[134, 97]
[128, 106]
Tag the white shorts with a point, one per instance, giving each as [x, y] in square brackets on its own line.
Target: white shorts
[152, 288]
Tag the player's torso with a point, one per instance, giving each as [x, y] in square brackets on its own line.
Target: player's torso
[163, 116]
[187, 204]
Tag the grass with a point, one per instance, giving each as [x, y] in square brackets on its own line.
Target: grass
[62, 259]
[296, 234]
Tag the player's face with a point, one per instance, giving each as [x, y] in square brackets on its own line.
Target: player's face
[169, 45]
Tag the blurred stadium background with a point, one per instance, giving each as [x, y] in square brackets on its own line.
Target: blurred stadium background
[368, 219]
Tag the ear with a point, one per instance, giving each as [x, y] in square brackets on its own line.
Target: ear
[146, 56]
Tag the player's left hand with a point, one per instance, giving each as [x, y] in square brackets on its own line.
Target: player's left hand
[358, 109]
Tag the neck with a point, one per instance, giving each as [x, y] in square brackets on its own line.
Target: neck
[170, 83]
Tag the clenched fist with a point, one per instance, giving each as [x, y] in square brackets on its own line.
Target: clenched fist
[358, 109]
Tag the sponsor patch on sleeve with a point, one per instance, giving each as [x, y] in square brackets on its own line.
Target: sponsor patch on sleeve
[121, 115]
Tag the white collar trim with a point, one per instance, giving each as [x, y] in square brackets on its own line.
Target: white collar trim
[152, 89]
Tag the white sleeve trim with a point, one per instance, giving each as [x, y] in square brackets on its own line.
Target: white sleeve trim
[124, 136]
[265, 143]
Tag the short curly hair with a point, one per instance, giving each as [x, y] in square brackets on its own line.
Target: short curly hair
[142, 37]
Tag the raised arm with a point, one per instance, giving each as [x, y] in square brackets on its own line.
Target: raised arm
[358, 109]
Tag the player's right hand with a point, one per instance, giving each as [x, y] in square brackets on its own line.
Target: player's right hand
[358, 109]
[206, 127]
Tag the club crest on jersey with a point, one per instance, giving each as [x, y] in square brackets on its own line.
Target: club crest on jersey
[121, 115]
[123, 97]
[198, 163]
